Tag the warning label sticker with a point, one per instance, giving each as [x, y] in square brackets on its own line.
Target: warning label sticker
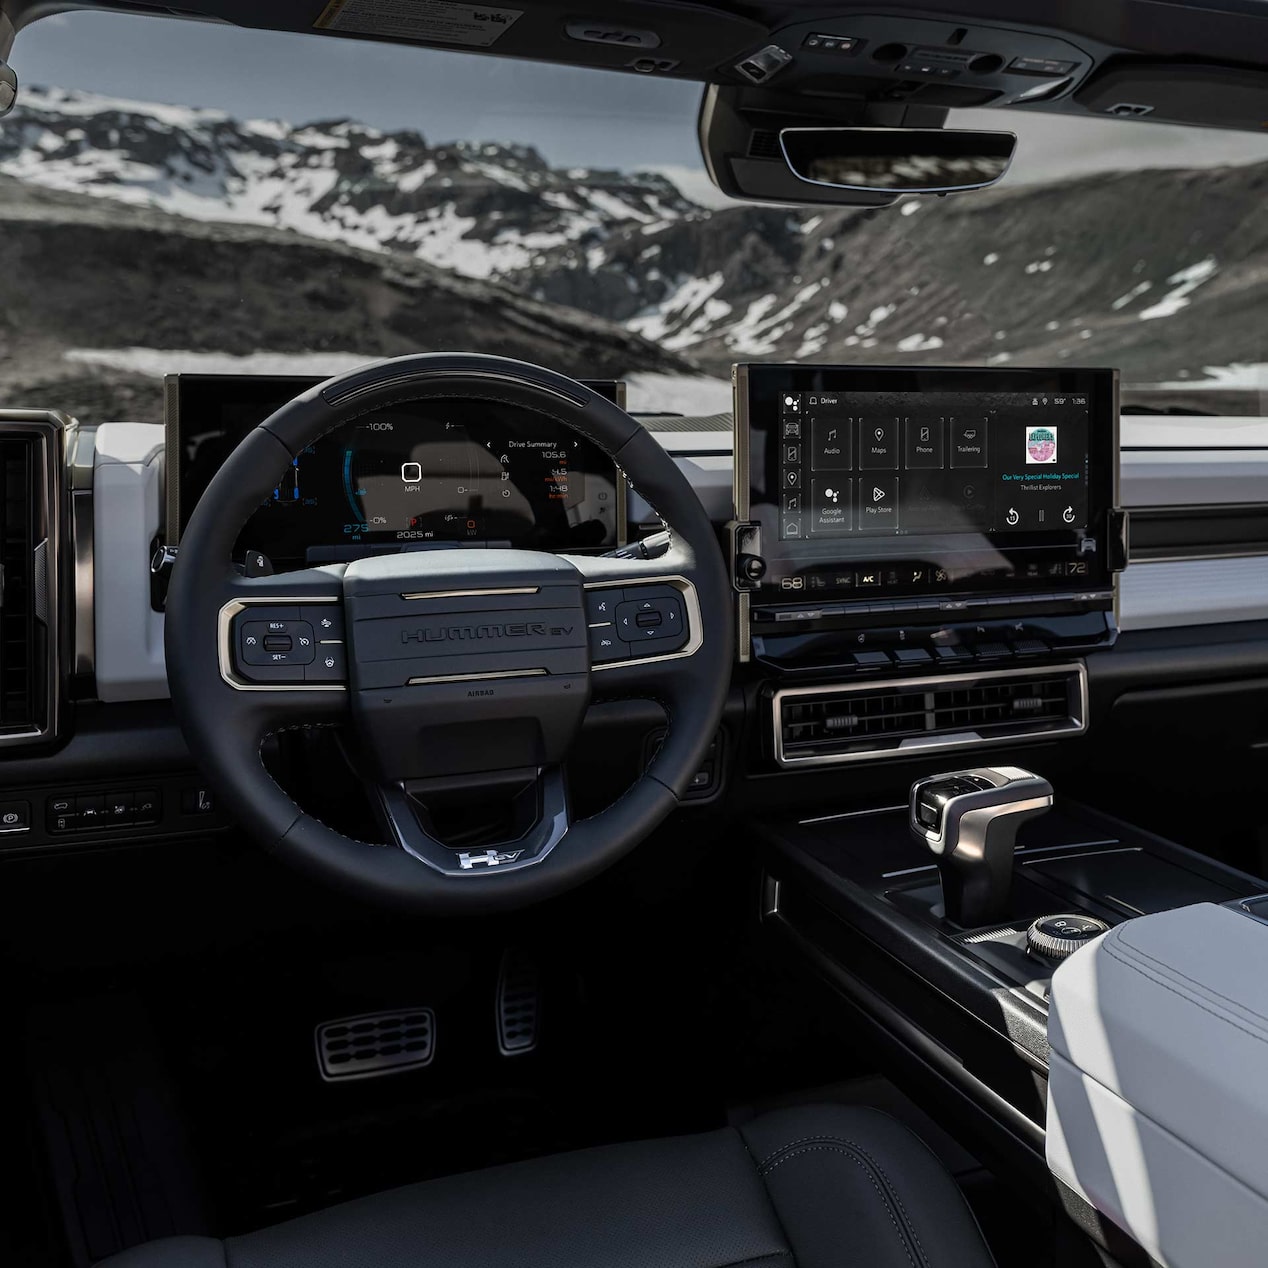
[475, 25]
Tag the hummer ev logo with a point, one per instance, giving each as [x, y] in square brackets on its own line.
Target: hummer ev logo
[464, 633]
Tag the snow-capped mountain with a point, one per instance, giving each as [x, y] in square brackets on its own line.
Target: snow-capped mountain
[481, 210]
[99, 300]
[1163, 273]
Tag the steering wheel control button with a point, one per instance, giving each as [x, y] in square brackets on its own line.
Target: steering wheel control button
[326, 620]
[601, 606]
[275, 642]
[1059, 937]
[652, 614]
[329, 665]
[605, 645]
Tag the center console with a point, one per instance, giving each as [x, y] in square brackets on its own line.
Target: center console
[959, 1007]
[925, 559]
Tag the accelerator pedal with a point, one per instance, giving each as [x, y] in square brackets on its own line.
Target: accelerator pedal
[375, 1044]
[518, 1003]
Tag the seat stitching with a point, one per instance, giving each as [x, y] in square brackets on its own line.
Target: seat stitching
[1188, 999]
[1201, 986]
[964, 1203]
[770, 1197]
[893, 1188]
[851, 1153]
[890, 1185]
[805, 1140]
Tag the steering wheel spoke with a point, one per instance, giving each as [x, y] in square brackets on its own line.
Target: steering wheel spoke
[281, 651]
[536, 818]
[284, 635]
[645, 628]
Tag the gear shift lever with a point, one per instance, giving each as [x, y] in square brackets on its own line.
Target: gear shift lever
[969, 819]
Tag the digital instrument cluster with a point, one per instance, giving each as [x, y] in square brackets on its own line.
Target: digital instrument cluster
[438, 471]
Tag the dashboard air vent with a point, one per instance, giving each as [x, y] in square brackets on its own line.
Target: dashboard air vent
[843, 722]
[30, 476]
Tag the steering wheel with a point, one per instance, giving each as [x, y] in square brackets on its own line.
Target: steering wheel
[455, 672]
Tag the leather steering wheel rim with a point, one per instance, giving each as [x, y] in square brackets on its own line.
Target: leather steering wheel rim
[225, 727]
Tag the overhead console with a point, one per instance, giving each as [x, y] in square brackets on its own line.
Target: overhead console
[926, 61]
[896, 517]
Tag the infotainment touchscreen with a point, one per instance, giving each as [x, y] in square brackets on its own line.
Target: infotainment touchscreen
[880, 481]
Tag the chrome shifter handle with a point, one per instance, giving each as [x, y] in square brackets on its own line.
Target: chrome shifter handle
[969, 819]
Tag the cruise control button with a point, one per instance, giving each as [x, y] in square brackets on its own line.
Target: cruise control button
[276, 643]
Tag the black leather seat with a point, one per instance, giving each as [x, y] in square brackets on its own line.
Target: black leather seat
[813, 1187]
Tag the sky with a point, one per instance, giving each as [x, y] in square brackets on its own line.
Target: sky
[574, 117]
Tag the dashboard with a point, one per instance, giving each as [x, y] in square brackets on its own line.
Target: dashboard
[831, 670]
[460, 472]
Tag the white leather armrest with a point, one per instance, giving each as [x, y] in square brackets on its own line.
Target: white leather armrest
[1158, 1088]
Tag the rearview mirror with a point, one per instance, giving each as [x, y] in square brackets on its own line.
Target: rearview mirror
[897, 160]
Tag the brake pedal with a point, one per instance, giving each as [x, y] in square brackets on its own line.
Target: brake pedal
[518, 1003]
[374, 1044]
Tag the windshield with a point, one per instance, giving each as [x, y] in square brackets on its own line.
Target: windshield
[219, 200]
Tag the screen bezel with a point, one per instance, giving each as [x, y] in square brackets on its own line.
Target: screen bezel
[757, 387]
[176, 385]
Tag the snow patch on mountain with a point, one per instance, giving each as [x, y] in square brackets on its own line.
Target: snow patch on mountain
[1185, 282]
[480, 209]
[156, 362]
[648, 392]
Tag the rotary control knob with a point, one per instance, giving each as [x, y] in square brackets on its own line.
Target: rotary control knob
[1059, 937]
